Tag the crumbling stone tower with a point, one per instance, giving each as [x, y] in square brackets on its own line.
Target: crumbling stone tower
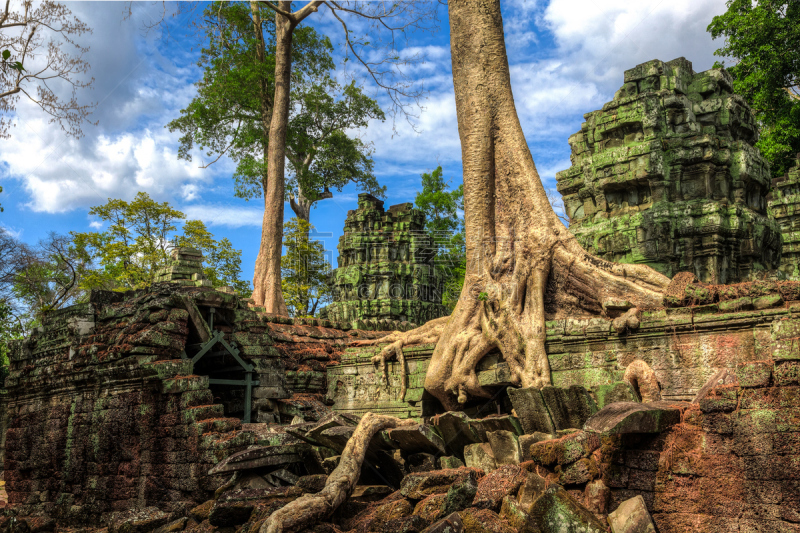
[386, 269]
[784, 205]
[666, 174]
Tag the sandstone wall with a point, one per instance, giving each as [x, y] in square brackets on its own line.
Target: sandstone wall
[684, 346]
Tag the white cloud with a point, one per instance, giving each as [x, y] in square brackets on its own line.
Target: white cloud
[225, 215]
[96, 224]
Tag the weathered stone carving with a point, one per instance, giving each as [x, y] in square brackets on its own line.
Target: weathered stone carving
[666, 174]
[784, 205]
[386, 270]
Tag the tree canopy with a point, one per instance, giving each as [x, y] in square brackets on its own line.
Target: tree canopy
[137, 242]
[764, 39]
[304, 269]
[442, 207]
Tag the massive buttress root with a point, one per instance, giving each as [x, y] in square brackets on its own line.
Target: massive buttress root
[311, 508]
[519, 255]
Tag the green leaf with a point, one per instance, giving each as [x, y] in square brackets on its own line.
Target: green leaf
[6, 55]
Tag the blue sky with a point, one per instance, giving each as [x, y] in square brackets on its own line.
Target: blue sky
[567, 58]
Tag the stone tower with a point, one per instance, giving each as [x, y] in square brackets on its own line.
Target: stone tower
[386, 269]
[666, 175]
[784, 205]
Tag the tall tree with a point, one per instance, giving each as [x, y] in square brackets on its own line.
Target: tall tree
[304, 270]
[764, 39]
[266, 281]
[321, 154]
[232, 113]
[521, 261]
[39, 47]
[443, 223]
[522, 264]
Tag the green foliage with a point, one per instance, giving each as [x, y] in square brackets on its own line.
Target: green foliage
[321, 154]
[304, 270]
[441, 207]
[137, 244]
[10, 330]
[223, 263]
[232, 110]
[48, 276]
[225, 118]
[764, 37]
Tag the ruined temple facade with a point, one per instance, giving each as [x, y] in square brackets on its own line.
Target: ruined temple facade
[666, 174]
[386, 277]
[784, 205]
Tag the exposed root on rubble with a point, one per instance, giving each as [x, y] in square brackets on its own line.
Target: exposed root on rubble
[643, 380]
[311, 508]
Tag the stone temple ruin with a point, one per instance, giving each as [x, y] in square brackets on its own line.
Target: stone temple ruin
[784, 206]
[386, 277]
[182, 407]
[666, 174]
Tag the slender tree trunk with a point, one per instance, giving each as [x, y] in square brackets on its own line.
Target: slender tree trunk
[267, 277]
[520, 257]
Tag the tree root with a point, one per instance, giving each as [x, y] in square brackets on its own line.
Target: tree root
[643, 380]
[428, 333]
[311, 508]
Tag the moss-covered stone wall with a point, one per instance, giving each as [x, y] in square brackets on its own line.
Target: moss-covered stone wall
[784, 206]
[684, 346]
[666, 174]
[386, 278]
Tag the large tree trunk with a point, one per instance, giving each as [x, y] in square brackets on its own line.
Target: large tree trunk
[267, 277]
[520, 257]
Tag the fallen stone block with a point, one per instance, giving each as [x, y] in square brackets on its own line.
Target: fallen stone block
[531, 490]
[631, 417]
[619, 391]
[558, 512]
[531, 410]
[460, 494]
[512, 512]
[564, 450]
[421, 462]
[430, 508]
[370, 493]
[569, 408]
[631, 517]
[479, 456]
[579, 472]
[416, 439]
[422, 484]
[484, 521]
[230, 513]
[596, 497]
[172, 527]
[495, 486]
[258, 457]
[526, 441]
[448, 461]
[202, 511]
[505, 447]
[456, 432]
[140, 521]
[449, 524]
[491, 423]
